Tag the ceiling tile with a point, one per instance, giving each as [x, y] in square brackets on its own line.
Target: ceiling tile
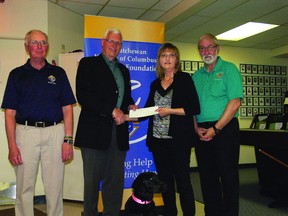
[276, 17]
[165, 5]
[268, 36]
[187, 20]
[219, 8]
[151, 15]
[121, 12]
[101, 2]
[188, 25]
[133, 4]
[82, 8]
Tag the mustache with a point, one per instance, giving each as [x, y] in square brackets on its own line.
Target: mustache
[210, 56]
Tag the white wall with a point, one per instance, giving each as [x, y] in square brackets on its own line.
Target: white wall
[19, 16]
[8, 59]
[70, 64]
[65, 30]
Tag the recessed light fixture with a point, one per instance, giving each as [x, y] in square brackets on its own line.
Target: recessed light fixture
[245, 30]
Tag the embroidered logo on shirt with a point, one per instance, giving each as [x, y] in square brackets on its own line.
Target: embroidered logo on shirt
[219, 76]
[52, 80]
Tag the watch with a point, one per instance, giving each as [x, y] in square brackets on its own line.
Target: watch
[217, 131]
[68, 141]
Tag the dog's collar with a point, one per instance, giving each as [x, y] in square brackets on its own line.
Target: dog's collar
[140, 201]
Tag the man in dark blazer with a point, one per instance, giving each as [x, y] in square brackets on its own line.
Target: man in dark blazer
[103, 90]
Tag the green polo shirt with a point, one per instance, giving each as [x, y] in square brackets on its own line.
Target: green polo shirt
[113, 65]
[216, 88]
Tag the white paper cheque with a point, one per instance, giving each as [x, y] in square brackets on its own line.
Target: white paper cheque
[143, 112]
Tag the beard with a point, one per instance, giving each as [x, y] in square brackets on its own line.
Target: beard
[209, 59]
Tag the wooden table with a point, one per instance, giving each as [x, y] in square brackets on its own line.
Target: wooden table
[271, 150]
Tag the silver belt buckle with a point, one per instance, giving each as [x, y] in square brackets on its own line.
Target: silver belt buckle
[40, 124]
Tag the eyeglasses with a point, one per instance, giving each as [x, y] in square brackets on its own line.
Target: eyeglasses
[165, 55]
[36, 43]
[209, 48]
[114, 42]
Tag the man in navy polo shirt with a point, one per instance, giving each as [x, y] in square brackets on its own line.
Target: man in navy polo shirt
[39, 125]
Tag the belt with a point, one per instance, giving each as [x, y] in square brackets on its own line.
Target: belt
[211, 123]
[40, 124]
[208, 123]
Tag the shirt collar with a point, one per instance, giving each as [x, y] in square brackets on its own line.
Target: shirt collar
[29, 66]
[115, 62]
[217, 66]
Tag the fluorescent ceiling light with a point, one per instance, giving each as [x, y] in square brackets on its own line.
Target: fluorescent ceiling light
[245, 30]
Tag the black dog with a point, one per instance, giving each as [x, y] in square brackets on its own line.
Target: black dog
[141, 202]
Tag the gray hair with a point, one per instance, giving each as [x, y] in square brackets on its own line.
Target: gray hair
[113, 31]
[210, 37]
[27, 36]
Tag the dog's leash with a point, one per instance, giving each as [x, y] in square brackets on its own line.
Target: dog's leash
[139, 201]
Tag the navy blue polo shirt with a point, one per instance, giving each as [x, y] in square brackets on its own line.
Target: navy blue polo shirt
[38, 95]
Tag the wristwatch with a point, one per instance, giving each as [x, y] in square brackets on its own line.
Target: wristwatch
[217, 131]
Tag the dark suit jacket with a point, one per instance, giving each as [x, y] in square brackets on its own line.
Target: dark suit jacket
[97, 93]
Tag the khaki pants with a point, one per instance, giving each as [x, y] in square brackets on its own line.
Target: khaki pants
[44, 145]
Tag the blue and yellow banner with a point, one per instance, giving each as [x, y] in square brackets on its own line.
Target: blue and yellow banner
[141, 41]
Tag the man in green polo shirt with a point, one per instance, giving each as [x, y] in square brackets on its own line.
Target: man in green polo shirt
[219, 87]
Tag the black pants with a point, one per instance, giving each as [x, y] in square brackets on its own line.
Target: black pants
[106, 167]
[172, 161]
[218, 167]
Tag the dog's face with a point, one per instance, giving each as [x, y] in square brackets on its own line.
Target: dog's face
[146, 184]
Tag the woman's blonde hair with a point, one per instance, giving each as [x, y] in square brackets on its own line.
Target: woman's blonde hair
[172, 48]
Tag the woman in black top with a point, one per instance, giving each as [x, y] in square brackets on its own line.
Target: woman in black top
[171, 132]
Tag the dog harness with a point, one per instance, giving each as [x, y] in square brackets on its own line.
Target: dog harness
[140, 201]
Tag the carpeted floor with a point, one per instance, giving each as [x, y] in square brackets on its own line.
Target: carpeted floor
[252, 203]
[11, 212]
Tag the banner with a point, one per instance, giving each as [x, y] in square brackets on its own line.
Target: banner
[141, 41]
